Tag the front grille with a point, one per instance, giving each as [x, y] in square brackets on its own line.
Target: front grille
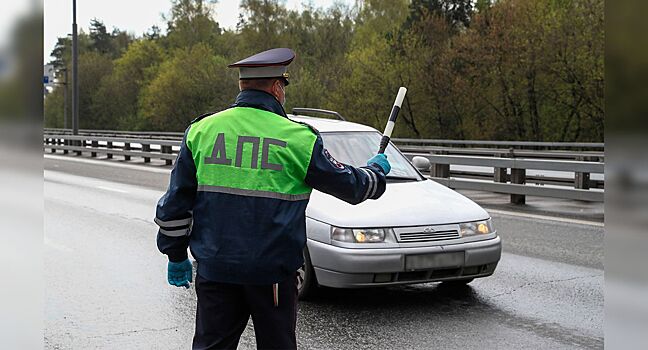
[414, 237]
[433, 275]
[427, 275]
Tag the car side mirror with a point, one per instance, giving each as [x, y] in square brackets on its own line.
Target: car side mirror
[421, 163]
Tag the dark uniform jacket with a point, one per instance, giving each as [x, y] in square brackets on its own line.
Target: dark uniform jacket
[245, 221]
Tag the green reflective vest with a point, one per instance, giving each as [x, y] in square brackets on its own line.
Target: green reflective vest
[252, 152]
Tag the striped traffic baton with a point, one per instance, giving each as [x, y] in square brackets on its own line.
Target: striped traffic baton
[392, 119]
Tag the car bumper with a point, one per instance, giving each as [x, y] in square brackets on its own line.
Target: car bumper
[351, 268]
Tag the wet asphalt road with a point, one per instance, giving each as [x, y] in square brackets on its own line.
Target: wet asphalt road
[106, 283]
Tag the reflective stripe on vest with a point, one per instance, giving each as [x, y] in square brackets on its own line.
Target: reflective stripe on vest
[252, 152]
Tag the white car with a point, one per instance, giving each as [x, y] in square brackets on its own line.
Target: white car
[418, 231]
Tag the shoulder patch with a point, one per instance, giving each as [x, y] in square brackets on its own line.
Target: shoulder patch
[332, 160]
[200, 117]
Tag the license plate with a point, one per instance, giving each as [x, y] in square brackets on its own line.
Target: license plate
[431, 261]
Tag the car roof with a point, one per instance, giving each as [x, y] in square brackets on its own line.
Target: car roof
[330, 125]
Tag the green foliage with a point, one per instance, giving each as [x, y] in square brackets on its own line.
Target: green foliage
[535, 71]
[191, 23]
[193, 81]
[93, 67]
[62, 52]
[53, 110]
[117, 99]
[110, 44]
[506, 69]
[101, 40]
[457, 13]
[305, 91]
[263, 24]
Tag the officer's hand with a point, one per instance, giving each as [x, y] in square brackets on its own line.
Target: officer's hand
[380, 160]
[179, 274]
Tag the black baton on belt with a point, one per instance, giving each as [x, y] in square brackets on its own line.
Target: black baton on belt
[392, 119]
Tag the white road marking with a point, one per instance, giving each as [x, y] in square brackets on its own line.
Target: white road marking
[546, 217]
[111, 189]
[107, 163]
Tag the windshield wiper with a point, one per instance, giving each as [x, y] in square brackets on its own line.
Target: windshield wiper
[405, 178]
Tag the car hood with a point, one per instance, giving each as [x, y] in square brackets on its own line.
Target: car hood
[402, 204]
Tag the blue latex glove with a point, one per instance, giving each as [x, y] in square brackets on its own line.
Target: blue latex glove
[380, 160]
[179, 274]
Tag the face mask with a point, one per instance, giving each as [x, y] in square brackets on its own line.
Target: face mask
[283, 90]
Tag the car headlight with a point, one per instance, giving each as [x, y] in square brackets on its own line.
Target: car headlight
[363, 235]
[476, 228]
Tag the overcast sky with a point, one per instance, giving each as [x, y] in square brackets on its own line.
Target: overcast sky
[135, 16]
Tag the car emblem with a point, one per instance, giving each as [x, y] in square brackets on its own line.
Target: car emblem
[429, 230]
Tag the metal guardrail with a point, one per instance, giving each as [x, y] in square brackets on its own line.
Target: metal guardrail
[510, 149]
[506, 144]
[405, 142]
[510, 176]
[171, 135]
[110, 146]
[510, 161]
[503, 152]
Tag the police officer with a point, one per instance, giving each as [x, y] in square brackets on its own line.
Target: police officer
[237, 198]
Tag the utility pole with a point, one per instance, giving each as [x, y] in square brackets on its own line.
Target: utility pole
[75, 73]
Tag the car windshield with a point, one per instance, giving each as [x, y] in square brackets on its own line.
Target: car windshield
[355, 148]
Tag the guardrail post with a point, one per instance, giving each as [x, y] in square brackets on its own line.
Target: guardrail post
[518, 176]
[581, 180]
[146, 148]
[66, 142]
[166, 149]
[51, 141]
[95, 144]
[109, 145]
[501, 174]
[126, 148]
[440, 170]
[79, 144]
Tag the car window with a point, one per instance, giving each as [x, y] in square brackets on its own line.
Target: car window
[355, 148]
